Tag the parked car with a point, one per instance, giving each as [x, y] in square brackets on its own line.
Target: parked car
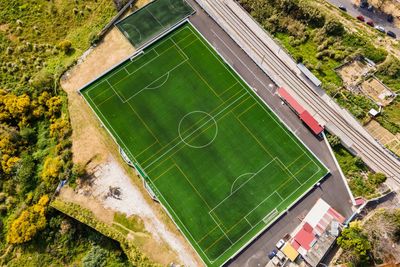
[280, 244]
[391, 34]
[370, 8]
[389, 18]
[370, 23]
[380, 28]
[342, 7]
[360, 18]
[272, 254]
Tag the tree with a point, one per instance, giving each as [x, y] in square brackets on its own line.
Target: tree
[334, 28]
[96, 257]
[51, 169]
[355, 242]
[29, 222]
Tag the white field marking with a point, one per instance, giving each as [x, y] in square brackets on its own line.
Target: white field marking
[183, 39]
[247, 173]
[148, 61]
[270, 216]
[279, 195]
[220, 105]
[249, 223]
[289, 172]
[171, 210]
[259, 204]
[147, 88]
[190, 43]
[202, 146]
[102, 92]
[151, 14]
[135, 55]
[262, 168]
[290, 164]
[220, 112]
[300, 186]
[126, 70]
[243, 64]
[95, 84]
[104, 101]
[219, 226]
[112, 87]
[137, 30]
[150, 87]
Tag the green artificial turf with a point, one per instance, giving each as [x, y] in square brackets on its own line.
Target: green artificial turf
[153, 19]
[217, 158]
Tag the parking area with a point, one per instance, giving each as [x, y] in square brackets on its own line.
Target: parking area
[377, 17]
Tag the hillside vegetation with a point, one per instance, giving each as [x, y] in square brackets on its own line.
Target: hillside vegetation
[39, 39]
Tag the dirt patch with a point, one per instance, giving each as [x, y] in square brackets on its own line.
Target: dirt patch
[353, 72]
[4, 27]
[105, 215]
[377, 91]
[85, 138]
[385, 137]
[94, 194]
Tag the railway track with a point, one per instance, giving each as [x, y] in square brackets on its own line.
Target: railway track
[370, 151]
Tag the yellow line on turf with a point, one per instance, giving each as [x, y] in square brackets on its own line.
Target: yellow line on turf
[187, 179]
[202, 78]
[145, 125]
[141, 152]
[191, 127]
[185, 145]
[229, 88]
[247, 109]
[167, 170]
[255, 138]
[295, 160]
[207, 234]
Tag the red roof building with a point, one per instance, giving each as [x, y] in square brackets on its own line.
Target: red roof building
[290, 101]
[311, 122]
[304, 115]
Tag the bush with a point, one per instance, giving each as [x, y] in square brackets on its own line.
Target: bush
[96, 257]
[65, 46]
[334, 28]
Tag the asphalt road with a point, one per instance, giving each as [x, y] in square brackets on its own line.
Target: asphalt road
[332, 189]
[378, 17]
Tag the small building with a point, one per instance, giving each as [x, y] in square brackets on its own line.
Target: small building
[316, 234]
[309, 74]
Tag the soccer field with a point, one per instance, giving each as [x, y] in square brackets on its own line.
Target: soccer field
[218, 159]
[152, 19]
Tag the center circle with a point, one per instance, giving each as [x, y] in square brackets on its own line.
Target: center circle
[197, 129]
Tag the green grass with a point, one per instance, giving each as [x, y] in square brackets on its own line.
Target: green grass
[153, 19]
[133, 223]
[217, 158]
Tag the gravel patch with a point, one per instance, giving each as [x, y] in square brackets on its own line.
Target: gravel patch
[131, 202]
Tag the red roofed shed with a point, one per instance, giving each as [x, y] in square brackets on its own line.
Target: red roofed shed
[304, 238]
[311, 122]
[290, 101]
